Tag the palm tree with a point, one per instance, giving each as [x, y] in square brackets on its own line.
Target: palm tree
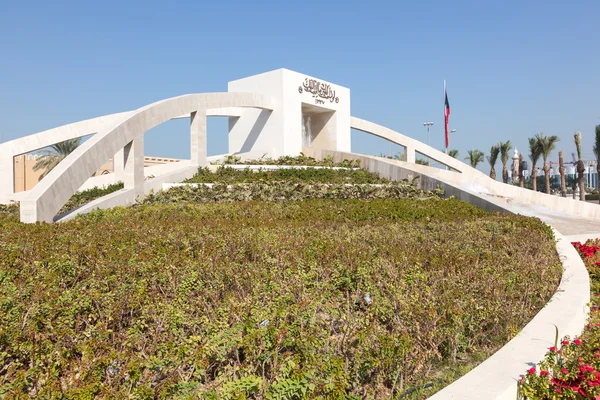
[53, 155]
[504, 154]
[453, 153]
[597, 154]
[475, 157]
[492, 158]
[534, 155]
[521, 180]
[399, 156]
[547, 144]
[580, 166]
[561, 168]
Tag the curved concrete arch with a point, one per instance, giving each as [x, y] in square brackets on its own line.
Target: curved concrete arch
[472, 179]
[58, 134]
[46, 138]
[43, 202]
[411, 145]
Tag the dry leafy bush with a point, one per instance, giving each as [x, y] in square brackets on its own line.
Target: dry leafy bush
[225, 174]
[9, 210]
[311, 299]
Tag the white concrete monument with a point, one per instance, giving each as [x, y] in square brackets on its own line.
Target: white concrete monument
[276, 113]
[307, 112]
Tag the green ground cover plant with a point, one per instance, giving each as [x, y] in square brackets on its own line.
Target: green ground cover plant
[571, 368]
[310, 299]
[227, 174]
[293, 160]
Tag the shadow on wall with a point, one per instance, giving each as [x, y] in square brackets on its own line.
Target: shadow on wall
[260, 123]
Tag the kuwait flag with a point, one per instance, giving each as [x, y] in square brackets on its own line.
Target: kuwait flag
[446, 113]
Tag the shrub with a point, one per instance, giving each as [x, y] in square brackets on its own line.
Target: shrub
[319, 298]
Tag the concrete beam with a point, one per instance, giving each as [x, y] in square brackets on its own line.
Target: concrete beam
[119, 165]
[133, 171]
[7, 178]
[198, 138]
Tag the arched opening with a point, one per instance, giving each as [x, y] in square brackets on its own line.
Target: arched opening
[365, 143]
[217, 130]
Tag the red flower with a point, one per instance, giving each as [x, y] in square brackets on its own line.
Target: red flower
[544, 373]
[586, 368]
[564, 371]
[531, 371]
[564, 342]
[558, 390]
[577, 342]
[552, 348]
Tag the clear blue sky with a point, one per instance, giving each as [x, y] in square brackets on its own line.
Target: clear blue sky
[514, 68]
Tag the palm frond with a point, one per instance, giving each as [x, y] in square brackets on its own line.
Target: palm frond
[493, 157]
[597, 144]
[52, 156]
[505, 151]
[534, 150]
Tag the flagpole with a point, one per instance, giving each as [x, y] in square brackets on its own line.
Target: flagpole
[444, 101]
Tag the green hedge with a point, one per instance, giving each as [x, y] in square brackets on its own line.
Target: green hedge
[312, 299]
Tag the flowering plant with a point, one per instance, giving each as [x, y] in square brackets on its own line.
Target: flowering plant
[571, 368]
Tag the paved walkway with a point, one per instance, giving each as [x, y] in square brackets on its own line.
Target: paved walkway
[567, 224]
